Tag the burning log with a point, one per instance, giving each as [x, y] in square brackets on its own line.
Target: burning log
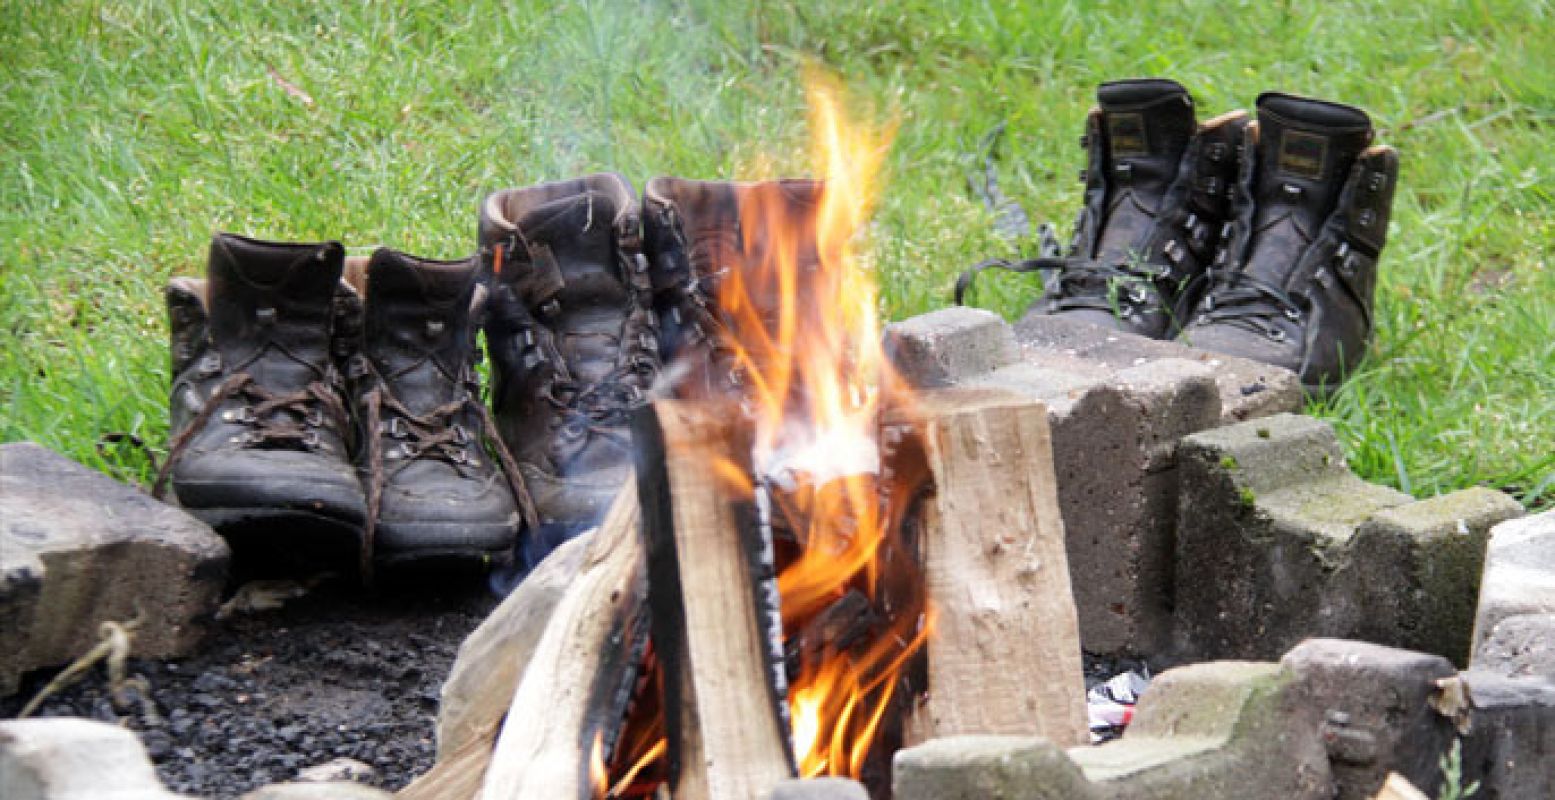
[712, 591]
[567, 710]
[1005, 654]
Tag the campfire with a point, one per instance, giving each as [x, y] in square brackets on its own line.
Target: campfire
[815, 570]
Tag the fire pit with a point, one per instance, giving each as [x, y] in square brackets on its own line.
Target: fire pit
[815, 570]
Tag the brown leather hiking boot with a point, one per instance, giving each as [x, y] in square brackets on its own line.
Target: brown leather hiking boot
[574, 344]
[434, 493]
[696, 239]
[1156, 195]
[1293, 285]
[259, 429]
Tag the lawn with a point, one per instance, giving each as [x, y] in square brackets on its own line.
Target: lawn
[129, 131]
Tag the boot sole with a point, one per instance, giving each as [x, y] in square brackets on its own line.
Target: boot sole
[291, 542]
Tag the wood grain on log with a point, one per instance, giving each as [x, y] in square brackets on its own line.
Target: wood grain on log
[570, 694]
[1005, 654]
[712, 604]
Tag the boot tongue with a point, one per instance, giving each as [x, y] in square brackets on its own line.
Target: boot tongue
[1146, 126]
[580, 234]
[272, 292]
[418, 329]
[1305, 151]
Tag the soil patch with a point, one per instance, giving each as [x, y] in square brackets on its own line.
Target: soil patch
[338, 672]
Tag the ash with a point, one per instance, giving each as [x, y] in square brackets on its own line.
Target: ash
[337, 673]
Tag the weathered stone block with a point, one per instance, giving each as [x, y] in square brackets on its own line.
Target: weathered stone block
[983, 767]
[1213, 730]
[945, 347]
[66, 758]
[1266, 512]
[1372, 707]
[1519, 576]
[78, 548]
[1511, 743]
[819, 789]
[1520, 646]
[1415, 571]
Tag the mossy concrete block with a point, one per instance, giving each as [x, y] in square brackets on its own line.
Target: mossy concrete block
[1415, 570]
[819, 789]
[1519, 646]
[988, 768]
[1266, 513]
[1519, 575]
[78, 549]
[945, 347]
[1212, 730]
[1510, 747]
[1371, 705]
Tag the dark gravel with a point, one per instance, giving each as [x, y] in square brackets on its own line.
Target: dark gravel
[337, 673]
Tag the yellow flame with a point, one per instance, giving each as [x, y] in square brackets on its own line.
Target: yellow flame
[805, 331]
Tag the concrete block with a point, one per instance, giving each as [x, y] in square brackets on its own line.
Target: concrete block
[1213, 730]
[819, 789]
[1372, 706]
[1266, 511]
[78, 548]
[1114, 441]
[1519, 576]
[66, 758]
[1520, 646]
[983, 767]
[1248, 389]
[1431, 553]
[1117, 406]
[1511, 743]
[945, 347]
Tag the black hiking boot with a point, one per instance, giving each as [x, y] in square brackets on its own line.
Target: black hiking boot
[695, 240]
[1156, 195]
[1293, 286]
[574, 344]
[259, 427]
[434, 493]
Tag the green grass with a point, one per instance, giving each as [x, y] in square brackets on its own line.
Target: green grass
[129, 131]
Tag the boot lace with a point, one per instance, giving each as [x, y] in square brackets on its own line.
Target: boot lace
[435, 435]
[274, 421]
[1238, 298]
[1073, 283]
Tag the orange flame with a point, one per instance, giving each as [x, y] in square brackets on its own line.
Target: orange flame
[804, 329]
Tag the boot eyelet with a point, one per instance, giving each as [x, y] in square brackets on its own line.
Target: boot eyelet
[461, 436]
[396, 428]
[409, 450]
[1291, 190]
[265, 316]
[1376, 181]
[1368, 218]
[314, 418]
[1275, 335]
[550, 308]
[311, 440]
[1293, 315]
[434, 328]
